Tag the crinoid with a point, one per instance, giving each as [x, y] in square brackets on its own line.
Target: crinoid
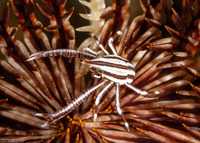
[109, 66]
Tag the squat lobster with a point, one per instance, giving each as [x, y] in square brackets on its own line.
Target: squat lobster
[110, 67]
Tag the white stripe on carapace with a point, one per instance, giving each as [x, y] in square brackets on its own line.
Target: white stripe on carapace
[112, 62]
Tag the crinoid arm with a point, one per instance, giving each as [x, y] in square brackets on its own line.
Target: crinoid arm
[62, 52]
[71, 106]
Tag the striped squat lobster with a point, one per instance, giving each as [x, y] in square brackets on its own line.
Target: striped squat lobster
[110, 67]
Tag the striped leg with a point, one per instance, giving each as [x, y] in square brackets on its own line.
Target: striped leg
[119, 108]
[99, 97]
[110, 41]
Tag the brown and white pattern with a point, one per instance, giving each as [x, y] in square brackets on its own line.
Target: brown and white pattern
[109, 67]
[161, 43]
